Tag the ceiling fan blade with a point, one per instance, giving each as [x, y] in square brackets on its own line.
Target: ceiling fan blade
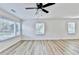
[48, 4]
[31, 8]
[45, 10]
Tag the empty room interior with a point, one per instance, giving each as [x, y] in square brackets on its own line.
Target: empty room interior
[39, 29]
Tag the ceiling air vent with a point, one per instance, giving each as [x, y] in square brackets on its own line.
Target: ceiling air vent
[13, 10]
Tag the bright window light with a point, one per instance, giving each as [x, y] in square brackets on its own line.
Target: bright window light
[71, 27]
[40, 28]
[8, 29]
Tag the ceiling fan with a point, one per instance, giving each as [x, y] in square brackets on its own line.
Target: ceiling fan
[41, 6]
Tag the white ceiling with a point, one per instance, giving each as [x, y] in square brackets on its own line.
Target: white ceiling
[57, 10]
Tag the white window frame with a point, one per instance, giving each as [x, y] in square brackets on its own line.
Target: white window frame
[71, 27]
[39, 28]
[11, 35]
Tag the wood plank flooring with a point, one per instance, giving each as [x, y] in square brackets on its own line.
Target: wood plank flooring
[44, 47]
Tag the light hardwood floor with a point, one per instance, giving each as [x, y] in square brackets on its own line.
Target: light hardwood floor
[44, 47]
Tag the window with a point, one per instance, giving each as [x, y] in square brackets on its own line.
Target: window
[71, 27]
[8, 29]
[17, 28]
[40, 28]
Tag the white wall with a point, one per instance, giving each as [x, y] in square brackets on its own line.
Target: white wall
[8, 15]
[56, 28]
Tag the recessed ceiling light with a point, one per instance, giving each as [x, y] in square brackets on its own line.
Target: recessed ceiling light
[13, 10]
